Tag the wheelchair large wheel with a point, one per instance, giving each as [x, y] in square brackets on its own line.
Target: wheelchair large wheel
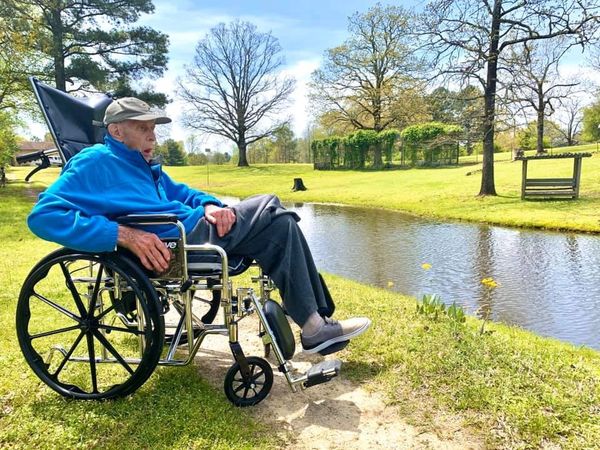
[251, 390]
[79, 329]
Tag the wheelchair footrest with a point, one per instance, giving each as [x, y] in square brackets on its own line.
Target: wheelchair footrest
[322, 372]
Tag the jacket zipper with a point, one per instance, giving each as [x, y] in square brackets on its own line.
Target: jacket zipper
[152, 178]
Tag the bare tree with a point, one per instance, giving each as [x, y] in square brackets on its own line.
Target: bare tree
[536, 83]
[468, 37]
[360, 79]
[233, 89]
[570, 118]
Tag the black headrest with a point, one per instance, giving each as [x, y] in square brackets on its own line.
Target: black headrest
[73, 121]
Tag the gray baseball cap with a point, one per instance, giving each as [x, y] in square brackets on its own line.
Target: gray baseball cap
[131, 108]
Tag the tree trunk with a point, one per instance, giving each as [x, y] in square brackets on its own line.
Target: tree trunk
[540, 127]
[243, 161]
[57, 51]
[377, 157]
[488, 186]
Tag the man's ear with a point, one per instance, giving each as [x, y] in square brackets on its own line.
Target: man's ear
[115, 131]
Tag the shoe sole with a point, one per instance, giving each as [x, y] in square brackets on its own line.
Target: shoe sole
[344, 337]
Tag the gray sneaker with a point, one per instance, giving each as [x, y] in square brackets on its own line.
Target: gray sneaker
[333, 332]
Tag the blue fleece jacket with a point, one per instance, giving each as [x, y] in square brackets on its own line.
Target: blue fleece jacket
[103, 182]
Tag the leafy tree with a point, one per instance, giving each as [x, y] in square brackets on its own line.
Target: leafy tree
[197, 159]
[233, 88]
[443, 105]
[469, 38]
[285, 144]
[172, 153]
[16, 61]
[8, 138]
[463, 108]
[219, 158]
[92, 44]
[591, 122]
[261, 151]
[361, 78]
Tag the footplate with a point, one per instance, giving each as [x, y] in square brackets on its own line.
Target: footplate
[322, 372]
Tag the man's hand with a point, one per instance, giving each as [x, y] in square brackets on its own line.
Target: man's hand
[152, 252]
[222, 218]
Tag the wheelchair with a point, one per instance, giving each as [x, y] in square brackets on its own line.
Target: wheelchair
[92, 325]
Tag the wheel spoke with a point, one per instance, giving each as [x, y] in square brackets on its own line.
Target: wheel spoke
[246, 392]
[94, 296]
[73, 289]
[92, 354]
[113, 351]
[105, 312]
[50, 333]
[124, 330]
[68, 355]
[59, 308]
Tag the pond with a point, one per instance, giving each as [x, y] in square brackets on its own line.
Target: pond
[548, 282]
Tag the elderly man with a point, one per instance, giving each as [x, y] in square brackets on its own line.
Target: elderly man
[118, 177]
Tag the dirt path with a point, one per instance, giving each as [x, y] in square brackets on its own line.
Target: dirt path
[335, 415]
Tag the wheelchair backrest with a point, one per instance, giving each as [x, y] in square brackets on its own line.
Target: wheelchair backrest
[74, 122]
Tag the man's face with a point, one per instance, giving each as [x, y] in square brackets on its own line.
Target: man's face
[137, 135]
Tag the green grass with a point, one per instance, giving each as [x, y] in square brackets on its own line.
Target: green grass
[441, 193]
[515, 389]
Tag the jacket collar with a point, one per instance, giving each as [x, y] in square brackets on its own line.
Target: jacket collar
[123, 151]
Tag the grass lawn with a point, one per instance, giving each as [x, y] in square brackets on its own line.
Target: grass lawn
[512, 387]
[441, 193]
[446, 193]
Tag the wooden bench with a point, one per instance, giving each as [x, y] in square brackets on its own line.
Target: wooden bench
[552, 187]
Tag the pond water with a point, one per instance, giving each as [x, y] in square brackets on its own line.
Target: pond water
[548, 282]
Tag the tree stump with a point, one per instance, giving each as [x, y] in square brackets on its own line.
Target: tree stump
[298, 185]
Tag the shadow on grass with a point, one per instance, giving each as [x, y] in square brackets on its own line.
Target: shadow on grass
[174, 409]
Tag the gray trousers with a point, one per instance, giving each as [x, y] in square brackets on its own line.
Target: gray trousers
[267, 232]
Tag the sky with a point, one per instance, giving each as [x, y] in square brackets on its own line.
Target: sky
[304, 28]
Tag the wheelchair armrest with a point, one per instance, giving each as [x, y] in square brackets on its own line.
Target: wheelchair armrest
[146, 218]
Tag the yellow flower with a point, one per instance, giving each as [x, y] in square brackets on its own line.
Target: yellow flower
[426, 266]
[489, 282]
[390, 284]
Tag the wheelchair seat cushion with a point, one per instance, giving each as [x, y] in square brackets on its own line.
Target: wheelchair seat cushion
[210, 264]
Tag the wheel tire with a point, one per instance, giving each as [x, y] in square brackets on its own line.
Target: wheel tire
[244, 393]
[73, 333]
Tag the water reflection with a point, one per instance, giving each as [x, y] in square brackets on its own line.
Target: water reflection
[547, 282]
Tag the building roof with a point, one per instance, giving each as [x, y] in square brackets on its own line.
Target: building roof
[32, 146]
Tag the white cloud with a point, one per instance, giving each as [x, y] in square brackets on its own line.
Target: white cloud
[301, 115]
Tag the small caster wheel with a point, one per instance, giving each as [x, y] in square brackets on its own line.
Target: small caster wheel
[252, 390]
